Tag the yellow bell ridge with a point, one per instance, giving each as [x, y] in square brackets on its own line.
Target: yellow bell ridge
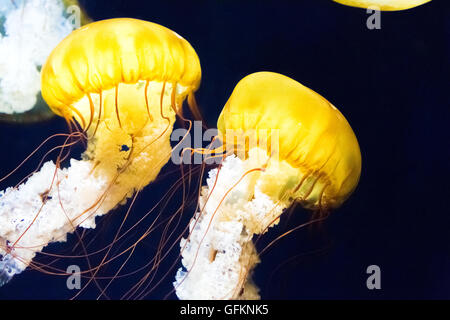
[384, 5]
[314, 137]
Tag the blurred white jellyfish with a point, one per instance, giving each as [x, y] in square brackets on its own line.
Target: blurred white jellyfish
[29, 30]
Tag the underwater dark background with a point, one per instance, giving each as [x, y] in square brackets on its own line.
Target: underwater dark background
[391, 84]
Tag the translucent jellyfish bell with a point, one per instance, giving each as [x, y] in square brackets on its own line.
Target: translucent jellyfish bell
[122, 81]
[29, 30]
[285, 143]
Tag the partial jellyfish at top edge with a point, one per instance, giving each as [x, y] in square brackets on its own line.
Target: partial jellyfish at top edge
[119, 84]
[29, 30]
[282, 143]
[383, 5]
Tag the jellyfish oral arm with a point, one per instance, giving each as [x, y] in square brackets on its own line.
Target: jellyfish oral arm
[44, 209]
[218, 256]
[54, 202]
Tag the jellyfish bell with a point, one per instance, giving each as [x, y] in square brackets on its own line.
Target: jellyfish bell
[383, 5]
[29, 30]
[316, 144]
[288, 144]
[119, 83]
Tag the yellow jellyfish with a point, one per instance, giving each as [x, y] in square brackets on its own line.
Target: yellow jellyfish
[120, 82]
[29, 30]
[288, 144]
[384, 5]
[123, 80]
